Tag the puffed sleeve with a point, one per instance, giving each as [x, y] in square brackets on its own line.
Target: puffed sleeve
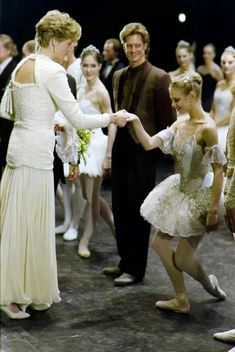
[57, 85]
[167, 136]
[214, 154]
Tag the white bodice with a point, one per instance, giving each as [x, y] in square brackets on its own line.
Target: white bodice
[223, 99]
[32, 139]
[193, 165]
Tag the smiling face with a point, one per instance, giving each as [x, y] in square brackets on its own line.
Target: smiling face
[135, 49]
[180, 101]
[90, 67]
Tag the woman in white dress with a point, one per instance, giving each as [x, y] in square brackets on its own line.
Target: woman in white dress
[185, 205]
[93, 99]
[224, 95]
[39, 87]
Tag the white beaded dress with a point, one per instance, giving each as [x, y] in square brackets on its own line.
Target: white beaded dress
[223, 98]
[28, 253]
[96, 150]
[178, 205]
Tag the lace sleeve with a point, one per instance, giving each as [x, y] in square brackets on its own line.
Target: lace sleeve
[214, 154]
[167, 137]
[67, 141]
[7, 106]
[58, 87]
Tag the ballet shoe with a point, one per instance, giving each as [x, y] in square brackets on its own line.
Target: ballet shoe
[226, 336]
[18, 315]
[178, 304]
[83, 251]
[40, 307]
[218, 292]
[70, 235]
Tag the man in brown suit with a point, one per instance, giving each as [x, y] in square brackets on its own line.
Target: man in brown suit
[141, 88]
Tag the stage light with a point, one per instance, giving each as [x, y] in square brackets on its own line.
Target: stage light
[182, 17]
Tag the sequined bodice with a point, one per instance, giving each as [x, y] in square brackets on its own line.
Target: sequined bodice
[189, 162]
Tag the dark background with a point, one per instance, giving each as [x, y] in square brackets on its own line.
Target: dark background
[207, 21]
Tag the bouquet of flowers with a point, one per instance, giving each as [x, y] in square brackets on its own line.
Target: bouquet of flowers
[84, 138]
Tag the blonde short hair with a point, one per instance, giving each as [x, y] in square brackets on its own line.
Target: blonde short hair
[9, 44]
[58, 25]
[132, 29]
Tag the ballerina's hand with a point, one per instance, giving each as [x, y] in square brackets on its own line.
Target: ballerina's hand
[120, 118]
[211, 222]
[131, 117]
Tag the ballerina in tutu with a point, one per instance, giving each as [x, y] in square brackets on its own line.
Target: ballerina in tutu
[188, 204]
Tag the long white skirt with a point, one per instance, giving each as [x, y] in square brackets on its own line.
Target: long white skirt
[28, 253]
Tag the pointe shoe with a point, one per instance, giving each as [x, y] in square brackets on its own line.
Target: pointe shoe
[227, 336]
[83, 251]
[12, 315]
[218, 292]
[178, 304]
[40, 307]
[70, 235]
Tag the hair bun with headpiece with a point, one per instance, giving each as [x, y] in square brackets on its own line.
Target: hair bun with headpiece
[90, 48]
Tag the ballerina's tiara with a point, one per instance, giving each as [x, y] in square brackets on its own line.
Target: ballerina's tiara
[230, 49]
[184, 77]
[90, 48]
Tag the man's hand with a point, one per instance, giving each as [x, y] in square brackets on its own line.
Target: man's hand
[230, 219]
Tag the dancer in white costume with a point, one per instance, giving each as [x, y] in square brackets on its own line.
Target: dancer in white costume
[224, 95]
[188, 204]
[39, 87]
[93, 98]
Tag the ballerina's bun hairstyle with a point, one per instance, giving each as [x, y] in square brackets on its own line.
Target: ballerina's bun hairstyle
[57, 25]
[230, 49]
[187, 82]
[92, 50]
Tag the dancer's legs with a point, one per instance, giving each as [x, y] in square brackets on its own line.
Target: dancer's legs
[91, 189]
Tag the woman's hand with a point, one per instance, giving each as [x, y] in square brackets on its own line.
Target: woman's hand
[73, 172]
[119, 118]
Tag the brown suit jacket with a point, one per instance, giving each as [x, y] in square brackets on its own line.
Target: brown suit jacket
[151, 101]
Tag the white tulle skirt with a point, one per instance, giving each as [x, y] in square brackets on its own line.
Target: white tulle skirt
[95, 154]
[28, 253]
[222, 135]
[180, 214]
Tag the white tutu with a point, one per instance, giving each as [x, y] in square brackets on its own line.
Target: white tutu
[177, 213]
